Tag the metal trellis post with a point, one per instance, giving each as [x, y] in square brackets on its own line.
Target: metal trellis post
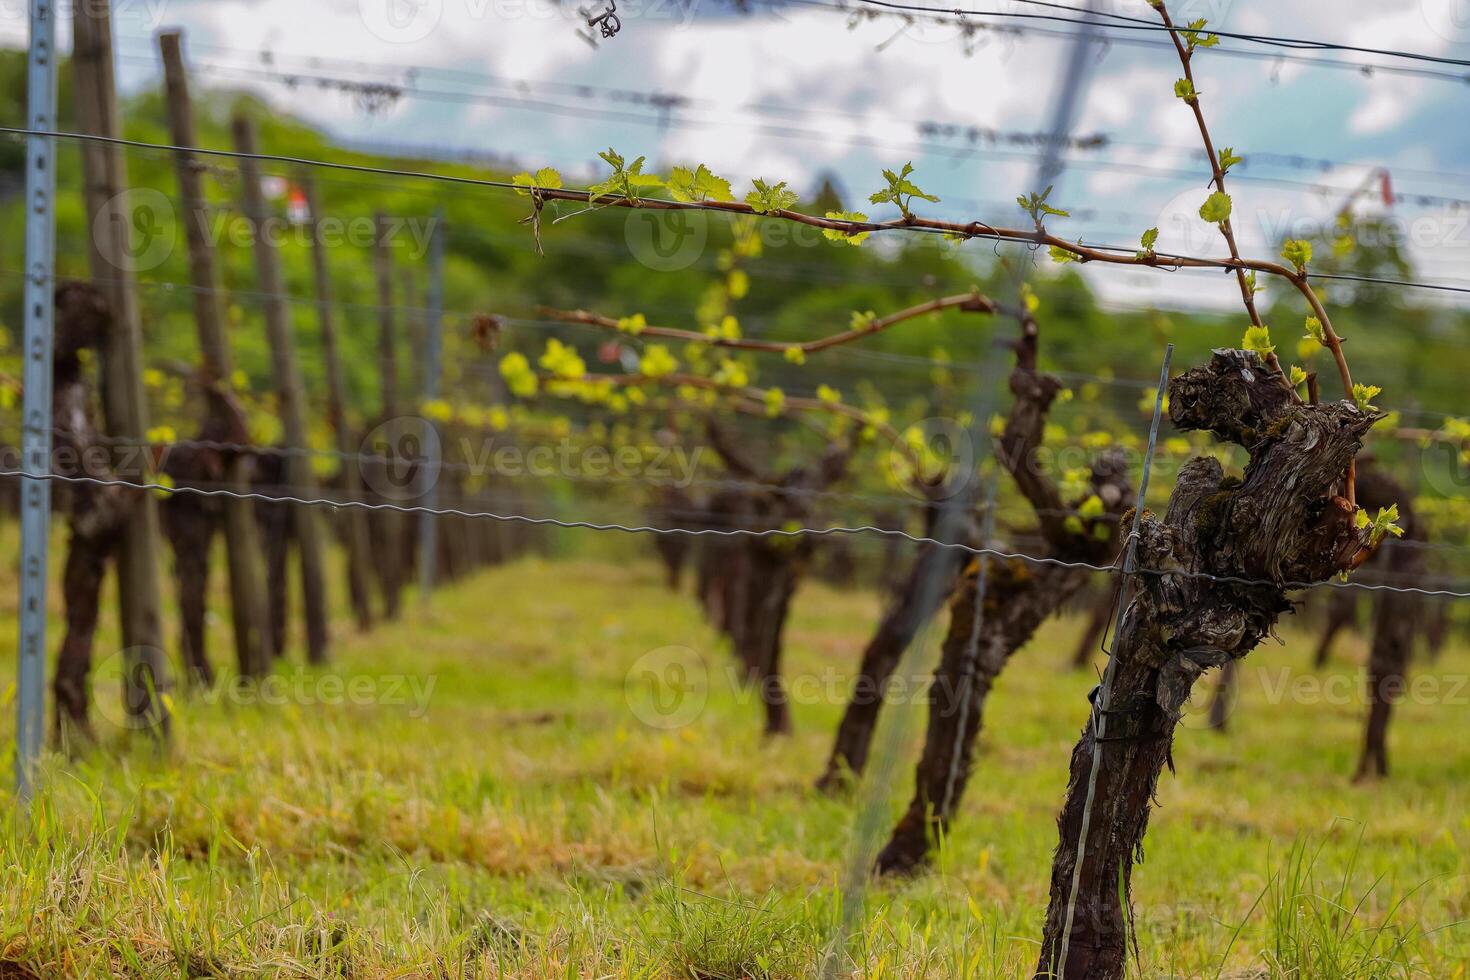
[36, 438]
[434, 450]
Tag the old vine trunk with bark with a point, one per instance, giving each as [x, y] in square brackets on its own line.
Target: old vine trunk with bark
[914, 605]
[747, 582]
[95, 513]
[986, 629]
[1282, 522]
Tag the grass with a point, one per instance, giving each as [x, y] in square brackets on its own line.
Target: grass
[485, 801]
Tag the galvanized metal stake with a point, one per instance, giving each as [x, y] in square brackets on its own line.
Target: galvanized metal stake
[433, 447]
[36, 439]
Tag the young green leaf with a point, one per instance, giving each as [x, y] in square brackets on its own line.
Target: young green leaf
[1149, 238]
[1184, 89]
[698, 184]
[769, 198]
[1297, 252]
[838, 235]
[1258, 339]
[1194, 36]
[1216, 208]
[629, 181]
[1315, 331]
[546, 179]
[901, 191]
[1228, 159]
[1364, 395]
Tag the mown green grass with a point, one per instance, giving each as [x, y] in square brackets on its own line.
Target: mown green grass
[528, 824]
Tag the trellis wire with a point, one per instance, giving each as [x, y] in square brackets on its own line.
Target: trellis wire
[652, 204]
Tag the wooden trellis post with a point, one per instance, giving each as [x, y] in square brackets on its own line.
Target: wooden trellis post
[359, 541]
[247, 583]
[111, 217]
[291, 393]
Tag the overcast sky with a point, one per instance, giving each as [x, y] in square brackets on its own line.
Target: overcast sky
[803, 91]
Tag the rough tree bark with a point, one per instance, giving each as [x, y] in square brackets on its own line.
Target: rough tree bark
[1395, 618]
[1282, 522]
[673, 507]
[290, 396]
[912, 607]
[756, 596]
[354, 520]
[96, 514]
[1018, 597]
[191, 521]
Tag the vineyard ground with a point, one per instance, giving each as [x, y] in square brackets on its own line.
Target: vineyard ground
[518, 819]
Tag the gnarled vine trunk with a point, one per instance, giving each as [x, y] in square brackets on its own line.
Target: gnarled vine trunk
[747, 581]
[1215, 571]
[95, 513]
[913, 605]
[987, 628]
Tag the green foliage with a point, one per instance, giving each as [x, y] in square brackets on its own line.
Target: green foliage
[628, 180]
[1216, 208]
[563, 361]
[1315, 331]
[1148, 239]
[1383, 523]
[657, 362]
[1363, 395]
[770, 198]
[1258, 339]
[1228, 159]
[838, 235]
[697, 185]
[546, 179]
[1194, 36]
[1062, 256]
[1298, 252]
[1184, 89]
[901, 191]
[1036, 205]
